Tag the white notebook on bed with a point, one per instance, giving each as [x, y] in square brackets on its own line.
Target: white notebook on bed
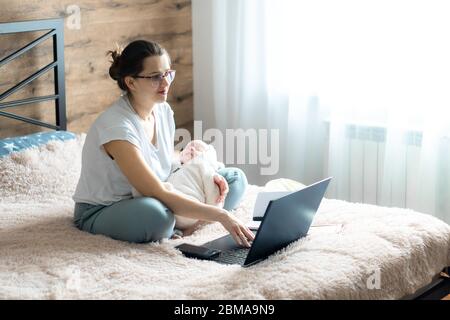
[261, 203]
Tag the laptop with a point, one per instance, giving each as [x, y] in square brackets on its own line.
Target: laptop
[285, 220]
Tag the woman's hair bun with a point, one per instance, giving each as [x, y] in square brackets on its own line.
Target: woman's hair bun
[114, 69]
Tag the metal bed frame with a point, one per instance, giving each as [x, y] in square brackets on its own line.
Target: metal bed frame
[56, 31]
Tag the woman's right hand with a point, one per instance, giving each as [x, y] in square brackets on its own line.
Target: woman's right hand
[240, 232]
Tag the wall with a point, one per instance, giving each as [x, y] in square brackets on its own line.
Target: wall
[89, 89]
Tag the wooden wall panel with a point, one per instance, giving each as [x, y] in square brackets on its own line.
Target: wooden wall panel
[89, 89]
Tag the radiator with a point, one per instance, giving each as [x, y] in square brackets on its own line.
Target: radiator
[362, 166]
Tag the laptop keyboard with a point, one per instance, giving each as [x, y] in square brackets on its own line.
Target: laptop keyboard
[237, 256]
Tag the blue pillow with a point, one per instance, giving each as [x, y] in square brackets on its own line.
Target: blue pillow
[14, 144]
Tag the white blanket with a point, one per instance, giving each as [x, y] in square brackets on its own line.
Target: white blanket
[380, 253]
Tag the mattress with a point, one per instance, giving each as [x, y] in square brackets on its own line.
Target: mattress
[374, 253]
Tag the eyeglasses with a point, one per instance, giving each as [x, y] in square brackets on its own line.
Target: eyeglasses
[157, 79]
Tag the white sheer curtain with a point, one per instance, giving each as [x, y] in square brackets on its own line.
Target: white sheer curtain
[317, 70]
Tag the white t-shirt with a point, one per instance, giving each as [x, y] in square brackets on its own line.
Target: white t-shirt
[101, 180]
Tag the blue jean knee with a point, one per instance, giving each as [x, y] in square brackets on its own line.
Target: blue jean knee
[237, 184]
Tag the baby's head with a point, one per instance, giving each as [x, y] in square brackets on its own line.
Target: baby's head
[192, 149]
[197, 150]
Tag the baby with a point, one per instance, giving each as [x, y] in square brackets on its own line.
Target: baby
[194, 178]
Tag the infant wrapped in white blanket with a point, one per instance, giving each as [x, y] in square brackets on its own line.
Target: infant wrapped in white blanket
[194, 178]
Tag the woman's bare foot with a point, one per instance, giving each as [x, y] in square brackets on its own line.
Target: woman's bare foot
[178, 234]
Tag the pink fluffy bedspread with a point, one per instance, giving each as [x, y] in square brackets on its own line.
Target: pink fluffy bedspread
[379, 253]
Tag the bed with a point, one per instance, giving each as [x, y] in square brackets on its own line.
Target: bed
[377, 253]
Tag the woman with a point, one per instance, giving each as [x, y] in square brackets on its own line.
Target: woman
[131, 145]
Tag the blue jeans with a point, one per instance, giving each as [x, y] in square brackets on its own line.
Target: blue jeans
[145, 219]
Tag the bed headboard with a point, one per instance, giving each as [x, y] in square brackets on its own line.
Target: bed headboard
[55, 29]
